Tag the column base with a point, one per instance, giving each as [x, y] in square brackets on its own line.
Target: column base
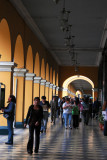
[19, 125]
[3, 130]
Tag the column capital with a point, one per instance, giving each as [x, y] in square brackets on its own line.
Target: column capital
[54, 86]
[29, 76]
[51, 85]
[20, 72]
[57, 88]
[37, 79]
[7, 66]
[43, 82]
[47, 84]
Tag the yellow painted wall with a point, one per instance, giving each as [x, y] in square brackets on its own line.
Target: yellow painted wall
[51, 75]
[42, 90]
[28, 96]
[5, 78]
[43, 69]
[18, 53]
[50, 94]
[54, 92]
[47, 72]
[57, 79]
[5, 42]
[20, 98]
[37, 65]
[47, 93]
[29, 60]
[54, 77]
[36, 90]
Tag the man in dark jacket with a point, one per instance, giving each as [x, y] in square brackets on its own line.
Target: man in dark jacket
[33, 118]
[9, 114]
[45, 105]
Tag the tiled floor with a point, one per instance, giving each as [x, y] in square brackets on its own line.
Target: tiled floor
[85, 143]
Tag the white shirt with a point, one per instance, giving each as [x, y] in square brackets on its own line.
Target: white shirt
[68, 109]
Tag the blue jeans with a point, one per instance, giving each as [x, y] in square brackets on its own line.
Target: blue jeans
[44, 120]
[67, 116]
[10, 130]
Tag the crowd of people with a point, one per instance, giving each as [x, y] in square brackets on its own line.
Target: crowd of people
[70, 110]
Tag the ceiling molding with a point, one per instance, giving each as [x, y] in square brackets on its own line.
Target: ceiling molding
[30, 22]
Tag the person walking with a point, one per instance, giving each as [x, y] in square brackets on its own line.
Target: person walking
[9, 112]
[67, 112]
[45, 105]
[75, 114]
[34, 116]
[53, 105]
[85, 104]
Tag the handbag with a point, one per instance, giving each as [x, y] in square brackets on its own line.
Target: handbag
[6, 116]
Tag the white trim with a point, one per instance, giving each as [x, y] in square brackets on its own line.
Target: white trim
[95, 89]
[19, 72]
[29, 76]
[51, 86]
[43, 82]
[7, 66]
[37, 79]
[54, 87]
[47, 84]
[57, 88]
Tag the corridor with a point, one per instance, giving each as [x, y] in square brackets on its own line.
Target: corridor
[85, 143]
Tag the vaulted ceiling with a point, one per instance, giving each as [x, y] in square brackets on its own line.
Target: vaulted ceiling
[87, 17]
[88, 20]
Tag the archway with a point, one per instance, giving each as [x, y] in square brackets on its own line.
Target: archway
[73, 78]
[37, 65]
[29, 60]
[5, 41]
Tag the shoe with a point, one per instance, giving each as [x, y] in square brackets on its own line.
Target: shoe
[8, 143]
[41, 131]
[29, 152]
[36, 150]
[70, 127]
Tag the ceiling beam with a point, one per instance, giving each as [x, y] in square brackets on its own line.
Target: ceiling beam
[77, 49]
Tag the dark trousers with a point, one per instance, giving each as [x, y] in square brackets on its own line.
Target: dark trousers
[75, 121]
[86, 117]
[33, 128]
[53, 115]
[10, 130]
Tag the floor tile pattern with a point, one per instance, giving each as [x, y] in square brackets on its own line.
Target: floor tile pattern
[58, 143]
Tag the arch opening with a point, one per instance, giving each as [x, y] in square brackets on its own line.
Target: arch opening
[73, 78]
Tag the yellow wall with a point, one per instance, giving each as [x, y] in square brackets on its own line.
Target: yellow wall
[47, 93]
[37, 65]
[47, 72]
[28, 96]
[20, 98]
[36, 90]
[5, 42]
[29, 60]
[5, 78]
[42, 90]
[18, 53]
[50, 94]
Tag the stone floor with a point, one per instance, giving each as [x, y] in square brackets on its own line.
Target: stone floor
[85, 143]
